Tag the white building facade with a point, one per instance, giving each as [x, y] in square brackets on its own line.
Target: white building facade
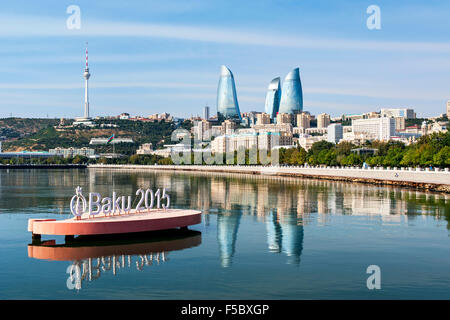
[72, 152]
[335, 133]
[375, 129]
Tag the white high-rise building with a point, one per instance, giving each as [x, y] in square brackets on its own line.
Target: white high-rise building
[448, 109]
[334, 133]
[375, 129]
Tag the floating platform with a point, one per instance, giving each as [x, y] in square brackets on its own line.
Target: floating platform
[146, 243]
[143, 221]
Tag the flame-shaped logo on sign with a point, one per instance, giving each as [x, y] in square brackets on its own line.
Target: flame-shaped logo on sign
[78, 204]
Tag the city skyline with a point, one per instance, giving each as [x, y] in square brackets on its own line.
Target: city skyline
[165, 56]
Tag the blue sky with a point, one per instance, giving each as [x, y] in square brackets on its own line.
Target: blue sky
[150, 57]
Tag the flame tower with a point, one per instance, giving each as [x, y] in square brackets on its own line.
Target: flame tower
[273, 98]
[291, 93]
[227, 103]
[86, 76]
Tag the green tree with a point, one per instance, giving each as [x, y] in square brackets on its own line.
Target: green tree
[79, 159]
[352, 160]
[442, 158]
[344, 148]
[297, 156]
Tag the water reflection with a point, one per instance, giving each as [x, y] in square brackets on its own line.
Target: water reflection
[258, 195]
[251, 226]
[93, 256]
[252, 195]
[285, 205]
[227, 229]
[273, 233]
[285, 235]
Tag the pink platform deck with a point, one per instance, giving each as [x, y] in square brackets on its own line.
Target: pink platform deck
[156, 219]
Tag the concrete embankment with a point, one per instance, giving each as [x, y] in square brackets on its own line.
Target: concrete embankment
[43, 166]
[434, 180]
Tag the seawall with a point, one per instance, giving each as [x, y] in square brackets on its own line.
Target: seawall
[43, 166]
[418, 178]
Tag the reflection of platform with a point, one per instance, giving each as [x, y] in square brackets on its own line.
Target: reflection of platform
[143, 244]
[115, 224]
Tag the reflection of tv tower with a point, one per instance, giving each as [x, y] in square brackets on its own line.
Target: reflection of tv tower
[86, 76]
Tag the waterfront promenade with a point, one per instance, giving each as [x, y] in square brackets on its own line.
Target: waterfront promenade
[431, 179]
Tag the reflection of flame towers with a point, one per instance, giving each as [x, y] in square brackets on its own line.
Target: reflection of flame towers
[273, 233]
[227, 229]
[286, 236]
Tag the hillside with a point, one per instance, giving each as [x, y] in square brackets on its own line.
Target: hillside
[16, 128]
[41, 136]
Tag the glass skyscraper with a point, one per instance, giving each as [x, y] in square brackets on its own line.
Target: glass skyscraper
[227, 103]
[291, 93]
[273, 98]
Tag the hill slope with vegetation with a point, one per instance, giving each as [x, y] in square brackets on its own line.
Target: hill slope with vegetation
[16, 128]
[46, 136]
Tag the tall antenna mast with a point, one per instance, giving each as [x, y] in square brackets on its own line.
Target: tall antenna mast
[86, 76]
[87, 67]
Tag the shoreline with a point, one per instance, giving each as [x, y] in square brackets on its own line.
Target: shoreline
[437, 181]
[44, 166]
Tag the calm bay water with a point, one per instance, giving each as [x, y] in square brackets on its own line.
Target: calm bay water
[260, 238]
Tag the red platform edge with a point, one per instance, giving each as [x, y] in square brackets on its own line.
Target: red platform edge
[115, 224]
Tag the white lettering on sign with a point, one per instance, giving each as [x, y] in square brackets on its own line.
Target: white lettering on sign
[94, 203]
[117, 204]
[78, 203]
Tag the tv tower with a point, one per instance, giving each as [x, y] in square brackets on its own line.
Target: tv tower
[86, 76]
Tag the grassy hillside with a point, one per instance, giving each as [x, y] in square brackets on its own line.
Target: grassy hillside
[43, 136]
[16, 128]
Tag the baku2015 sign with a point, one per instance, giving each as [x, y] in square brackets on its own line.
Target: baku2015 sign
[117, 204]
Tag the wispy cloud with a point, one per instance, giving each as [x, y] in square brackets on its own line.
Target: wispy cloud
[172, 61]
[31, 26]
[69, 86]
[245, 93]
[379, 92]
